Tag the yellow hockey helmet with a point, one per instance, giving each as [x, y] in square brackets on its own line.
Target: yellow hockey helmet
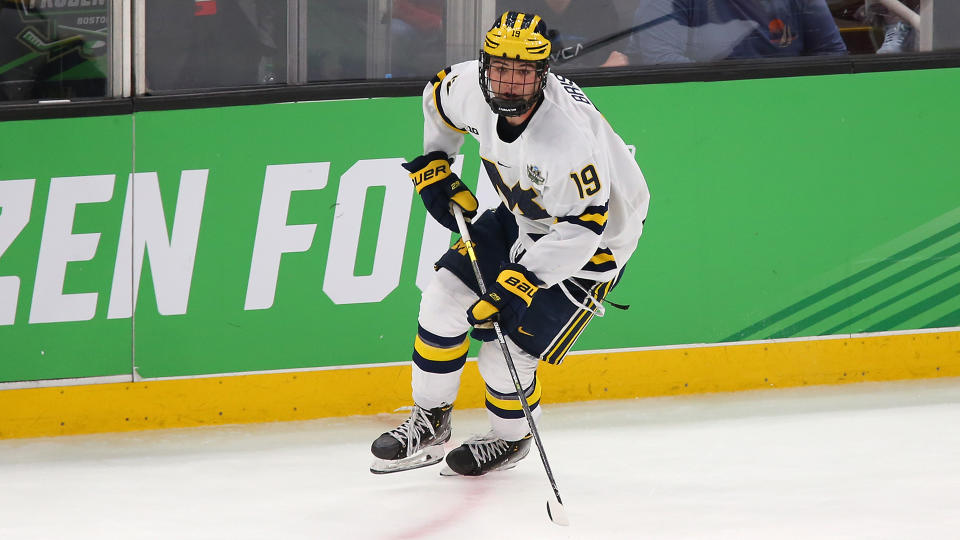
[518, 37]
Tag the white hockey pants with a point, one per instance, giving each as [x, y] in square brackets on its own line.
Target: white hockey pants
[443, 309]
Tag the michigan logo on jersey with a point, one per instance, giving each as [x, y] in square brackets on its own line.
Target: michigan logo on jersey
[515, 196]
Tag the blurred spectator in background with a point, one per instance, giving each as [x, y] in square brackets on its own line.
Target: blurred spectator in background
[193, 44]
[336, 40]
[898, 35]
[576, 22]
[418, 41]
[707, 30]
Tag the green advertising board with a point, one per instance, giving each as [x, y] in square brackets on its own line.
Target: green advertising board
[287, 236]
[60, 216]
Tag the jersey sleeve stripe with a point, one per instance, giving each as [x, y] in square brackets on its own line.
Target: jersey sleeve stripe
[437, 82]
[601, 261]
[593, 218]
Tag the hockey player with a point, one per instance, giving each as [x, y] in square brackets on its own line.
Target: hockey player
[573, 203]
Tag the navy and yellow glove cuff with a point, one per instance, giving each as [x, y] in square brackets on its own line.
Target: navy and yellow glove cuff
[428, 169]
[439, 186]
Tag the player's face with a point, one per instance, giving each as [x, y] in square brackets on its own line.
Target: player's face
[512, 79]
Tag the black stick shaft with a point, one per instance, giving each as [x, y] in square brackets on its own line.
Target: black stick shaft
[465, 234]
[583, 48]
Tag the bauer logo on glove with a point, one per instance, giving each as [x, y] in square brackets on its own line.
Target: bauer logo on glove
[439, 187]
[521, 286]
[507, 300]
[435, 171]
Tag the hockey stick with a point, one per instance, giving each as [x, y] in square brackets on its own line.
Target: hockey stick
[568, 54]
[555, 510]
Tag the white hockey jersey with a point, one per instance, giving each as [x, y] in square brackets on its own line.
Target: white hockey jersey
[578, 196]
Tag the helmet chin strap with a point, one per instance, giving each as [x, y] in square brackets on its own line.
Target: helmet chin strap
[511, 107]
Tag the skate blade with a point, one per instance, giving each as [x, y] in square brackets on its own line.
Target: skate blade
[447, 471]
[430, 455]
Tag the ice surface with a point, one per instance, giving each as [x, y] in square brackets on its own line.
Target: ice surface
[876, 460]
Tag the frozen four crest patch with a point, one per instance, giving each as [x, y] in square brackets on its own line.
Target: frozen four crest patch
[536, 175]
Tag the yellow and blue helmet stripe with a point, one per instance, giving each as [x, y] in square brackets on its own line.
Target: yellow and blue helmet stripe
[518, 36]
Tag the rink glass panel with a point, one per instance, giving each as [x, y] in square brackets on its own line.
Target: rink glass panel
[56, 49]
[87, 49]
[208, 44]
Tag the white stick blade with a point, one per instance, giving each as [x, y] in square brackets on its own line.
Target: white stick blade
[557, 513]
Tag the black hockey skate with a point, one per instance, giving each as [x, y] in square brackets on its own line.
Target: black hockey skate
[484, 453]
[416, 443]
